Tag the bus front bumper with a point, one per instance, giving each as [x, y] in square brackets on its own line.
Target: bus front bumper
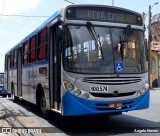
[75, 106]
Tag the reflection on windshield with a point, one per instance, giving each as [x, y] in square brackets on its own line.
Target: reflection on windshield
[81, 53]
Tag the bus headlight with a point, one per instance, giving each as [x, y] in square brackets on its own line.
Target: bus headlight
[141, 92]
[70, 87]
[138, 93]
[77, 92]
[85, 96]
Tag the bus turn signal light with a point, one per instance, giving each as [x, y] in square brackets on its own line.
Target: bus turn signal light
[66, 82]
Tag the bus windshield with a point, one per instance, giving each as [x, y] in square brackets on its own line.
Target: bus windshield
[99, 50]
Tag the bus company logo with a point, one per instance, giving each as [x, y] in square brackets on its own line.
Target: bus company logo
[115, 93]
[6, 130]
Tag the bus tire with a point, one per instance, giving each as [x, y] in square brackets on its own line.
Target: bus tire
[13, 97]
[42, 105]
[4, 95]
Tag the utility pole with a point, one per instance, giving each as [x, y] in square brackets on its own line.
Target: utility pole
[149, 44]
[149, 49]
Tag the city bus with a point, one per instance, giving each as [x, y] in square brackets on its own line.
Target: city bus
[83, 60]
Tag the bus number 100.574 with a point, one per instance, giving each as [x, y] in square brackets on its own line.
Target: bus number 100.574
[99, 88]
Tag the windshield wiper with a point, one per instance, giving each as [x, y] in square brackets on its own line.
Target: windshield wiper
[126, 32]
[121, 48]
[96, 38]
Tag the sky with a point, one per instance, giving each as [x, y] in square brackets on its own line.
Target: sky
[14, 28]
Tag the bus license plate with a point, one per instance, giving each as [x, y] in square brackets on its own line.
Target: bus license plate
[98, 88]
[115, 105]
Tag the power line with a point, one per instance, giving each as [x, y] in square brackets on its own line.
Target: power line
[2, 10]
[2, 55]
[21, 16]
[83, 2]
[76, 2]
[69, 1]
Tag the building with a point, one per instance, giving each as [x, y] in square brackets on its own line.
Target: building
[155, 50]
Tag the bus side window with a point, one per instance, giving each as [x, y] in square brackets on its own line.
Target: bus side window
[13, 59]
[6, 63]
[42, 45]
[25, 52]
[32, 47]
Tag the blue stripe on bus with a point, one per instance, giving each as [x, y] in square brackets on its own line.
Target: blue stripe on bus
[32, 65]
[36, 64]
[73, 105]
[11, 69]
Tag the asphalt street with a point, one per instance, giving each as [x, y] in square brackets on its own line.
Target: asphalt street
[136, 122]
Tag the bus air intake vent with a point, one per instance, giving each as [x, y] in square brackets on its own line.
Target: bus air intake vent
[112, 80]
[106, 95]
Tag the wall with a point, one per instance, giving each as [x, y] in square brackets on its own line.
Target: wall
[154, 67]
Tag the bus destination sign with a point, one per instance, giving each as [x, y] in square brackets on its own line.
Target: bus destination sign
[104, 15]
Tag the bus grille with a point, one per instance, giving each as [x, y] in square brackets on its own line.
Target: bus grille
[106, 95]
[103, 107]
[112, 80]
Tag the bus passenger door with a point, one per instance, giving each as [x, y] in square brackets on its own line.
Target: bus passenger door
[19, 72]
[158, 70]
[55, 69]
[6, 74]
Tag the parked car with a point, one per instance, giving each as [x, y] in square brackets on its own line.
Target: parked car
[3, 91]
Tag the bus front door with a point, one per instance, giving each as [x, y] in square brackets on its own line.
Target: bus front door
[19, 72]
[7, 83]
[55, 69]
[8, 76]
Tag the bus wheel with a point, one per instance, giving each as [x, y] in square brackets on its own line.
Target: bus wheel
[4, 96]
[42, 106]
